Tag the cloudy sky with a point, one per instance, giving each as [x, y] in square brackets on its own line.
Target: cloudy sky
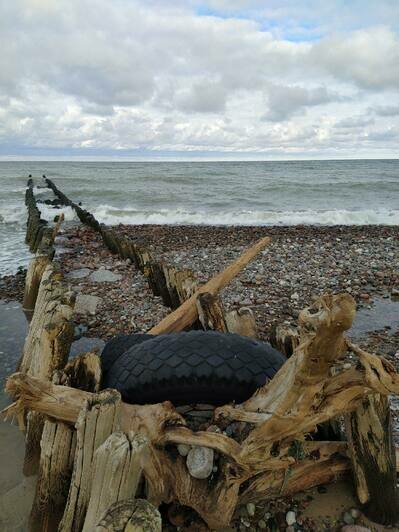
[266, 79]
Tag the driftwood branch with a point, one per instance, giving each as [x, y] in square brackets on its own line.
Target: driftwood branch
[187, 313]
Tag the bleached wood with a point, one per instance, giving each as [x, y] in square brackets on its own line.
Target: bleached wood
[99, 417]
[187, 313]
[273, 459]
[132, 515]
[117, 470]
[58, 443]
[46, 348]
[242, 321]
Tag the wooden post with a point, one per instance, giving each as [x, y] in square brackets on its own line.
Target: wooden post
[97, 420]
[58, 445]
[133, 515]
[242, 321]
[46, 349]
[285, 339]
[37, 265]
[210, 313]
[373, 459]
[117, 471]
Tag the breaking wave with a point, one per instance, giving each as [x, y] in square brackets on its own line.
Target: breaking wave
[112, 216]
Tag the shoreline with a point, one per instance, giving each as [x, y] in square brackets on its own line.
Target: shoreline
[300, 263]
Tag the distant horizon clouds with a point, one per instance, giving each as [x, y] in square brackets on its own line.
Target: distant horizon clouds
[229, 79]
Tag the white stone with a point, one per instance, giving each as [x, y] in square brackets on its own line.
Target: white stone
[251, 509]
[78, 274]
[200, 462]
[290, 517]
[86, 304]
[104, 276]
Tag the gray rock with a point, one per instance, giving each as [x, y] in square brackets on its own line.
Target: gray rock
[348, 519]
[183, 449]
[251, 509]
[78, 274]
[104, 276]
[200, 462]
[86, 304]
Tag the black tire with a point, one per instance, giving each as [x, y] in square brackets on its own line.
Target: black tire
[193, 367]
[117, 346]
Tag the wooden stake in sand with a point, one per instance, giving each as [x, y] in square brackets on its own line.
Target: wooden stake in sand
[58, 445]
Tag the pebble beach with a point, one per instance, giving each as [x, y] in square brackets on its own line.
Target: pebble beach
[300, 263]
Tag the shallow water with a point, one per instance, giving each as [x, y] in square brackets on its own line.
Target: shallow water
[220, 193]
[383, 314]
[13, 329]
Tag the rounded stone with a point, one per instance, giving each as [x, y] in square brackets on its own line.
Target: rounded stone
[290, 517]
[183, 449]
[251, 509]
[200, 462]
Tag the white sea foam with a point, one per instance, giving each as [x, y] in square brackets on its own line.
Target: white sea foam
[16, 214]
[48, 212]
[11, 214]
[112, 216]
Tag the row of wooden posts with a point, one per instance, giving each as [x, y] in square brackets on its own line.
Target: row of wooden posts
[89, 475]
[174, 286]
[66, 497]
[36, 226]
[51, 447]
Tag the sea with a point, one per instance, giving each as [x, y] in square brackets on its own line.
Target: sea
[344, 192]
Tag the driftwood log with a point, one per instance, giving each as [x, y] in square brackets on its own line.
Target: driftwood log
[275, 458]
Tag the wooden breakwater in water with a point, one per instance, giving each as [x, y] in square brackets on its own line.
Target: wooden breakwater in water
[36, 226]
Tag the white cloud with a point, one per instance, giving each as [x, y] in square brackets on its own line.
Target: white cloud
[128, 75]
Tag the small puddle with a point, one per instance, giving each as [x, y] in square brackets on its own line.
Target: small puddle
[383, 313]
[13, 329]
